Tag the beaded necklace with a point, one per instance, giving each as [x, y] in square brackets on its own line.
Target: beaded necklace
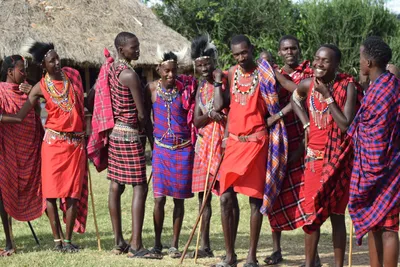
[321, 117]
[242, 96]
[126, 63]
[207, 102]
[168, 98]
[64, 100]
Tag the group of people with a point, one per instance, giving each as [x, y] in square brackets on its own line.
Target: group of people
[303, 142]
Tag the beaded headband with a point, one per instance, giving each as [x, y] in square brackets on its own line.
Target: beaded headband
[167, 61]
[45, 55]
[203, 57]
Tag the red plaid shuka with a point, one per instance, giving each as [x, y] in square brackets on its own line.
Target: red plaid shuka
[102, 119]
[375, 182]
[287, 213]
[20, 159]
[338, 160]
[82, 209]
[203, 144]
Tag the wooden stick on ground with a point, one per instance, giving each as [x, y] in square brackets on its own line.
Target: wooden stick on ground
[200, 212]
[351, 245]
[205, 189]
[93, 208]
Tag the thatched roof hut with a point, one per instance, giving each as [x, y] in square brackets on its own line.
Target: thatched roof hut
[81, 29]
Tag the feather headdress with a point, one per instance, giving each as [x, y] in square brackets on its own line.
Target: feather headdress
[164, 56]
[202, 47]
[38, 50]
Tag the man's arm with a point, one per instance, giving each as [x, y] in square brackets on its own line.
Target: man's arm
[149, 123]
[343, 119]
[298, 98]
[285, 83]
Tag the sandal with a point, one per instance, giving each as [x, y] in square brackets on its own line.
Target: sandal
[274, 258]
[8, 252]
[225, 264]
[201, 253]
[251, 264]
[120, 249]
[144, 254]
[157, 251]
[70, 248]
[174, 253]
[223, 257]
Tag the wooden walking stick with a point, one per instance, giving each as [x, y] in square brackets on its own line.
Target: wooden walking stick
[205, 189]
[201, 211]
[93, 208]
[33, 233]
[351, 245]
[151, 175]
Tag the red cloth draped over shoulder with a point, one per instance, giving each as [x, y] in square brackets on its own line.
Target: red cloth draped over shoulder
[20, 161]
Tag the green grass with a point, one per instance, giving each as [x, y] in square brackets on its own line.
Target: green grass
[31, 255]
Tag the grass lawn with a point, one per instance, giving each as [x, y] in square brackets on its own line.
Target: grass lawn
[29, 254]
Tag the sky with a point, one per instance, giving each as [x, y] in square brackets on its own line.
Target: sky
[393, 5]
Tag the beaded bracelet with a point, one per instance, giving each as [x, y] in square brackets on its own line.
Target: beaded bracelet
[305, 126]
[209, 113]
[329, 100]
[217, 84]
[280, 113]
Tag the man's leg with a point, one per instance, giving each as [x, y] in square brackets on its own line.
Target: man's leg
[52, 213]
[179, 212]
[311, 244]
[158, 218]
[138, 209]
[205, 222]
[4, 219]
[256, 219]
[72, 205]
[390, 242]
[114, 207]
[229, 225]
[338, 238]
[375, 247]
[276, 241]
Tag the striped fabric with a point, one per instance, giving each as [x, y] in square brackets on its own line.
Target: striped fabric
[278, 143]
[287, 212]
[338, 161]
[172, 169]
[375, 180]
[203, 146]
[20, 161]
[102, 119]
[126, 162]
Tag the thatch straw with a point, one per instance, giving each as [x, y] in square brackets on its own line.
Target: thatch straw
[81, 30]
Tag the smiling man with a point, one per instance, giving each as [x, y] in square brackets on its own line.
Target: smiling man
[332, 99]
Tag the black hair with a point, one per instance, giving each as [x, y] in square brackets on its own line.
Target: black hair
[201, 47]
[170, 55]
[38, 50]
[9, 63]
[237, 39]
[376, 49]
[288, 37]
[122, 38]
[335, 49]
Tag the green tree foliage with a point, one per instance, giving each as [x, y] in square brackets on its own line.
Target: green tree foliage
[342, 22]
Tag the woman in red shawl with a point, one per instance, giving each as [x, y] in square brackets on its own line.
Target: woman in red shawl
[20, 191]
[63, 147]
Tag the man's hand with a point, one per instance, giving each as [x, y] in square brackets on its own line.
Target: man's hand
[25, 88]
[321, 88]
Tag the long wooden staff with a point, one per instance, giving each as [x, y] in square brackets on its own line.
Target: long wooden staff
[205, 189]
[201, 211]
[351, 245]
[93, 208]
